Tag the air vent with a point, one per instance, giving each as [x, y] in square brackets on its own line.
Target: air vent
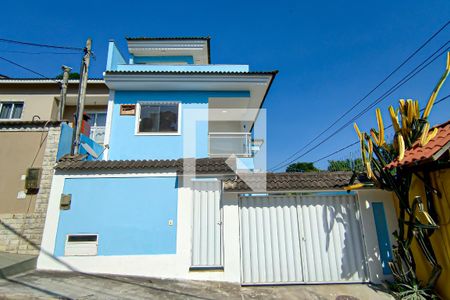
[81, 245]
[127, 109]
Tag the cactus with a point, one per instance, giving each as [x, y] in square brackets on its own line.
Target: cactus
[414, 222]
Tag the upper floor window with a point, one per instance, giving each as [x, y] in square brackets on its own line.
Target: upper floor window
[97, 120]
[11, 110]
[158, 118]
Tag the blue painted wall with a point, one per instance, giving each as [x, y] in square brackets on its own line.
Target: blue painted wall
[124, 144]
[164, 59]
[383, 236]
[130, 214]
[65, 142]
[114, 58]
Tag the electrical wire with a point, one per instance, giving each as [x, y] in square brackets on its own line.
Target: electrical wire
[368, 94]
[403, 81]
[40, 45]
[357, 142]
[39, 53]
[28, 69]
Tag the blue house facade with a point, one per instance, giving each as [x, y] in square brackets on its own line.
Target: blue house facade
[181, 191]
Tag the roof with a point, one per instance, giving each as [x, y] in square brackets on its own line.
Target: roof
[46, 81]
[274, 72]
[258, 181]
[202, 165]
[167, 38]
[29, 124]
[290, 181]
[432, 151]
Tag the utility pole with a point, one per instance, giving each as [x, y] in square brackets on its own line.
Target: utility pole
[81, 97]
[62, 100]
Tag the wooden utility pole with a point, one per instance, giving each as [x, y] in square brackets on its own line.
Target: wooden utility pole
[81, 96]
[62, 98]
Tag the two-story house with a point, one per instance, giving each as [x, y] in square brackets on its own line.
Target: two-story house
[181, 190]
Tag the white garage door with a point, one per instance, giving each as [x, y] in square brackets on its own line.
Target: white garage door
[301, 239]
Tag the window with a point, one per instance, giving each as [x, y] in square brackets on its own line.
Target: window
[158, 118]
[97, 120]
[11, 110]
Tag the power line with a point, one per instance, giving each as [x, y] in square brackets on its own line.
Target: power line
[357, 142]
[368, 94]
[38, 53]
[40, 45]
[25, 68]
[404, 80]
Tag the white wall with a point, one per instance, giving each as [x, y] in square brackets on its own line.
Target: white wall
[163, 266]
[366, 197]
[177, 265]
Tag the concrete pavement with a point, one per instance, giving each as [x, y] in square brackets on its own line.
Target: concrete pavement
[57, 285]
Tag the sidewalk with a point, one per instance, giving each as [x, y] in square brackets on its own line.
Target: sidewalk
[55, 285]
[11, 263]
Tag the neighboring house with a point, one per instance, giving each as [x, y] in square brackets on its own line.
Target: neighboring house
[430, 165]
[30, 139]
[181, 192]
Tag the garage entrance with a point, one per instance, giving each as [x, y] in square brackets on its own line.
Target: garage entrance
[307, 238]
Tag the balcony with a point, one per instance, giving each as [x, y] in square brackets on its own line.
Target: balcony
[223, 144]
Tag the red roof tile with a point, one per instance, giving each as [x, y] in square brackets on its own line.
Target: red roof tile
[418, 154]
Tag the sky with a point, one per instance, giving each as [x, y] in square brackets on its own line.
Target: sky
[329, 54]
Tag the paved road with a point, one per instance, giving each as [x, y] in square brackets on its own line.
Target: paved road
[55, 285]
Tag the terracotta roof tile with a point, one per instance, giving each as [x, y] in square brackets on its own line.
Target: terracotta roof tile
[290, 181]
[202, 165]
[418, 154]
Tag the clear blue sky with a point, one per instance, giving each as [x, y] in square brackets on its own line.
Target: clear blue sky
[329, 54]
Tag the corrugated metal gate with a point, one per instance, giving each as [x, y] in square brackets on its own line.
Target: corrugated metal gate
[207, 224]
[312, 238]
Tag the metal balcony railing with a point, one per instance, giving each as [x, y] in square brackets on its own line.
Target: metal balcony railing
[222, 144]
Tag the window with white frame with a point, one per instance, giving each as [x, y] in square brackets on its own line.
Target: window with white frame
[97, 120]
[10, 110]
[158, 118]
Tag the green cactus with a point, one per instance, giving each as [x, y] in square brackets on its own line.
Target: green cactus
[376, 155]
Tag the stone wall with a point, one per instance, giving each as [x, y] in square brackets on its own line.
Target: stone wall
[31, 225]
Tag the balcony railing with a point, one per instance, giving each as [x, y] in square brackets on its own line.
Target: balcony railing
[222, 144]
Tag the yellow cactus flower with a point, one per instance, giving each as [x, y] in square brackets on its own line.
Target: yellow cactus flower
[402, 106]
[401, 147]
[417, 109]
[369, 170]
[374, 136]
[436, 90]
[410, 111]
[423, 137]
[394, 118]
[381, 140]
[358, 132]
[354, 186]
[431, 135]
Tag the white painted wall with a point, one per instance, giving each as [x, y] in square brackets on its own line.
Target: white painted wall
[177, 265]
[163, 266]
[366, 197]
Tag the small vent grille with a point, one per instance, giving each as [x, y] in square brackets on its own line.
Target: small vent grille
[82, 238]
[81, 245]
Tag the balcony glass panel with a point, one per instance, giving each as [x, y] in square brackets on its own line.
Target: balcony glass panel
[225, 144]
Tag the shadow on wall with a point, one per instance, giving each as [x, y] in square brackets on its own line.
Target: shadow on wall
[341, 223]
